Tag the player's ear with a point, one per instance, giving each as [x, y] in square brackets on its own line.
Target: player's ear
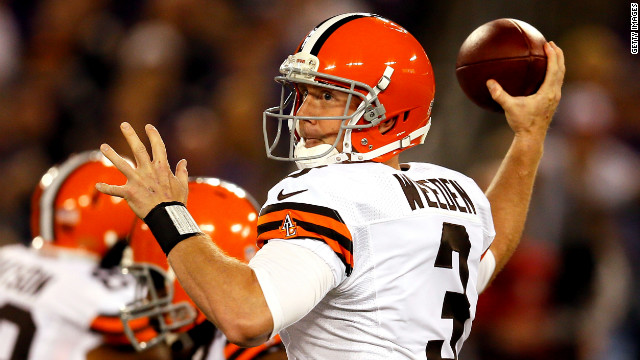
[387, 124]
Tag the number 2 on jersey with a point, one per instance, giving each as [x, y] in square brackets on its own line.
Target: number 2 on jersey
[456, 305]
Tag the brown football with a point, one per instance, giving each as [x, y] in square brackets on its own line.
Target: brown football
[509, 51]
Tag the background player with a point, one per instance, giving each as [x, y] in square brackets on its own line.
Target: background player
[226, 213]
[358, 236]
[60, 298]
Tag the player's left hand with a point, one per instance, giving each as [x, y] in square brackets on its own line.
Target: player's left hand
[531, 115]
[151, 182]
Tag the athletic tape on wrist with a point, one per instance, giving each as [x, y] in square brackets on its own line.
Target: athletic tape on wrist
[170, 223]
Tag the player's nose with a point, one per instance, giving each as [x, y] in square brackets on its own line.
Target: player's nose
[306, 109]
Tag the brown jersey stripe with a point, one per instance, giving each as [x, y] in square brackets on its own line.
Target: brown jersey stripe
[340, 251]
[329, 223]
[316, 209]
[311, 223]
[344, 254]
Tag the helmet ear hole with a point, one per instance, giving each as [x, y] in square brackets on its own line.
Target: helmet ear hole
[405, 115]
[391, 123]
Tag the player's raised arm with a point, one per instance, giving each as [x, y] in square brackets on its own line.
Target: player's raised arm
[529, 118]
[225, 289]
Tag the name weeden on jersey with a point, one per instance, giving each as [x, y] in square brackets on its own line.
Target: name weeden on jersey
[436, 193]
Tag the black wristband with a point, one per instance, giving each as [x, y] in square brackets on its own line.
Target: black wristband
[170, 223]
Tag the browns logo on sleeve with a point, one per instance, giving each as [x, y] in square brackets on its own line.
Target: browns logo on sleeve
[290, 220]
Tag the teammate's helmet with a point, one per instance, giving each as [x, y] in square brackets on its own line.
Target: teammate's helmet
[222, 210]
[372, 59]
[68, 211]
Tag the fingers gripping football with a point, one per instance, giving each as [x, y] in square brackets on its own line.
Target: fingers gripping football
[151, 181]
[532, 114]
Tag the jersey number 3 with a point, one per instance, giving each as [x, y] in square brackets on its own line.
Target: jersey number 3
[456, 305]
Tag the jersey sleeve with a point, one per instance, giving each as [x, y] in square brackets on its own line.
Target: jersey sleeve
[483, 208]
[488, 229]
[298, 209]
[293, 280]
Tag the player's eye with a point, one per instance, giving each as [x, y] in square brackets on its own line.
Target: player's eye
[327, 96]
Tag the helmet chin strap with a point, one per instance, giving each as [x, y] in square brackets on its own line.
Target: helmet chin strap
[301, 151]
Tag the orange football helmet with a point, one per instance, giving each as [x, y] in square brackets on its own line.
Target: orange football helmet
[367, 57]
[222, 210]
[68, 211]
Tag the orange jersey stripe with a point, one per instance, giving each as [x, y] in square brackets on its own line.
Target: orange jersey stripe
[298, 215]
[297, 220]
[346, 257]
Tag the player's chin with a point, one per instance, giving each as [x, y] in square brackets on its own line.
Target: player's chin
[309, 143]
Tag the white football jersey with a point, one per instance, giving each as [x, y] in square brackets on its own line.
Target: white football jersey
[409, 243]
[49, 304]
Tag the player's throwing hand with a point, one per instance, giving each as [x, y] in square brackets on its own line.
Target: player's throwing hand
[151, 181]
[532, 114]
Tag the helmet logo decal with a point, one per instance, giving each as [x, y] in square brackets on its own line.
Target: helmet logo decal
[289, 227]
[300, 66]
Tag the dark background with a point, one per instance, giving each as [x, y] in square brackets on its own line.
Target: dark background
[202, 70]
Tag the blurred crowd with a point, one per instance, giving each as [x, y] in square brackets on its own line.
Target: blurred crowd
[202, 72]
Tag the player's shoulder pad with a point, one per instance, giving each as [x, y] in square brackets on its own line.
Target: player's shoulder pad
[306, 185]
[301, 207]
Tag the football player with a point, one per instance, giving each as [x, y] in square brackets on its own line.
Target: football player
[61, 297]
[228, 215]
[362, 256]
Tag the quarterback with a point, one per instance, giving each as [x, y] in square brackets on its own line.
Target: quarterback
[362, 257]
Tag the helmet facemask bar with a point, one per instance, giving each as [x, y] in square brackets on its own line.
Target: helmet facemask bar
[293, 77]
[284, 103]
[153, 301]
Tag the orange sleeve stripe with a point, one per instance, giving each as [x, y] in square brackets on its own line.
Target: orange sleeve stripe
[298, 215]
[347, 256]
[301, 220]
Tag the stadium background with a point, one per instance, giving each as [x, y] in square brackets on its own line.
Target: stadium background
[201, 70]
